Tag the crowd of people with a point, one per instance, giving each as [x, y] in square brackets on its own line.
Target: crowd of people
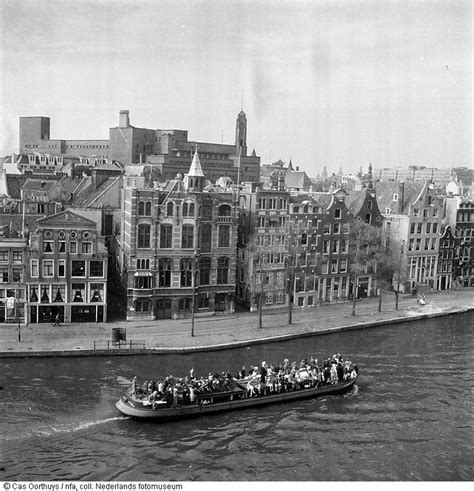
[259, 380]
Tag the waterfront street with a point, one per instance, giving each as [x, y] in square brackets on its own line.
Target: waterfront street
[218, 332]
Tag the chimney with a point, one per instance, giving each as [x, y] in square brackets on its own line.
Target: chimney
[124, 120]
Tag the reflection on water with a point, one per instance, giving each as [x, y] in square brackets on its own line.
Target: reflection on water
[409, 418]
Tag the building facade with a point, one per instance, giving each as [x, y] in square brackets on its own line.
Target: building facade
[67, 271]
[13, 253]
[177, 249]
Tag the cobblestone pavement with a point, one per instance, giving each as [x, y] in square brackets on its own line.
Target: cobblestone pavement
[221, 331]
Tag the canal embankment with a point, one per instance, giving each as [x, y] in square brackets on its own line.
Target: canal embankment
[224, 332]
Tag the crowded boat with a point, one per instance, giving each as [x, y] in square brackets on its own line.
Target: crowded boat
[259, 380]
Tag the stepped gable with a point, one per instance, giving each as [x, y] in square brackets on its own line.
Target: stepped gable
[67, 219]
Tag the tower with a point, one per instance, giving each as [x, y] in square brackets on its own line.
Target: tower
[194, 179]
[33, 129]
[241, 134]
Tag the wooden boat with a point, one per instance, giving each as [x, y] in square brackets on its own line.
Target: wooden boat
[215, 402]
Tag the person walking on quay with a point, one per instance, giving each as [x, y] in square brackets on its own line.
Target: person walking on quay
[56, 321]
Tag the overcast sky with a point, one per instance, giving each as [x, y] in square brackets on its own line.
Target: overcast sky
[323, 82]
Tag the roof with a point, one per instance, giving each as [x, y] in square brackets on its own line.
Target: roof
[195, 170]
[297, 180]
[38, 185]
[355, 199]
[323, 199]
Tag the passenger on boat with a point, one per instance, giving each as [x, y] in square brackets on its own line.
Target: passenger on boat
[134, 385]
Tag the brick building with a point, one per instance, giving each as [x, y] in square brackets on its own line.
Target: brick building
[178, 242]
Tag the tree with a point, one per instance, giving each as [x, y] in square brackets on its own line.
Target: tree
[366, 254]
[371, 251]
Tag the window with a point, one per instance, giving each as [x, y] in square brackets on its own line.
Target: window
[343, 265]
[45, 294]
[164, 272]
[326, 246]
[345, 228]
[337, 213]
[142, 306]
[86, 247]
[17, 257]
[169, 209]
[225, 211]
[334, 265]
[187, 237]
[73, 247]
[17, 274]
[186, 269]
[203, 301]
[344, 246]
[395, 197]
[206, 237]
[142, 282]
[97, 292]
[143, 235]
[61, 268]
[425, 214]
[420, 227]
[336, 228]
[224, 235]
[4, 275]
[3, 255]
[435, 212]
[416, 212]
[222, 270]
[411, 244]
[34, 268]
[185, 304]
[78, 268]
[327, 228]
[206, 210]
[96, 269]
[188, 209]
[141, 208]
[428, 228]
[33, 293]
[141, 264]
[369, 205]
[435, 227]
[78, 292]
[48, 267]
[48, 246]
[62, 246]
[166, 236]
[205, 271]
[335, 246]
[59, 293]
[304, 238]
[324, 268]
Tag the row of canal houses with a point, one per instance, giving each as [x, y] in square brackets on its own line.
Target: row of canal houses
[187, 245]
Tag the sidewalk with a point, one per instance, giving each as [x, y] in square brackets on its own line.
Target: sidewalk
[220, 332]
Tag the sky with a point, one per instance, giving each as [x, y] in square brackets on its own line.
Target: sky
[323, 83]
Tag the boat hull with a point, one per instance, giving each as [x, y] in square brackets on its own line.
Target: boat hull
[127, 407]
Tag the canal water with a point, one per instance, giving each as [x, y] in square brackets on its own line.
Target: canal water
[409, 418]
